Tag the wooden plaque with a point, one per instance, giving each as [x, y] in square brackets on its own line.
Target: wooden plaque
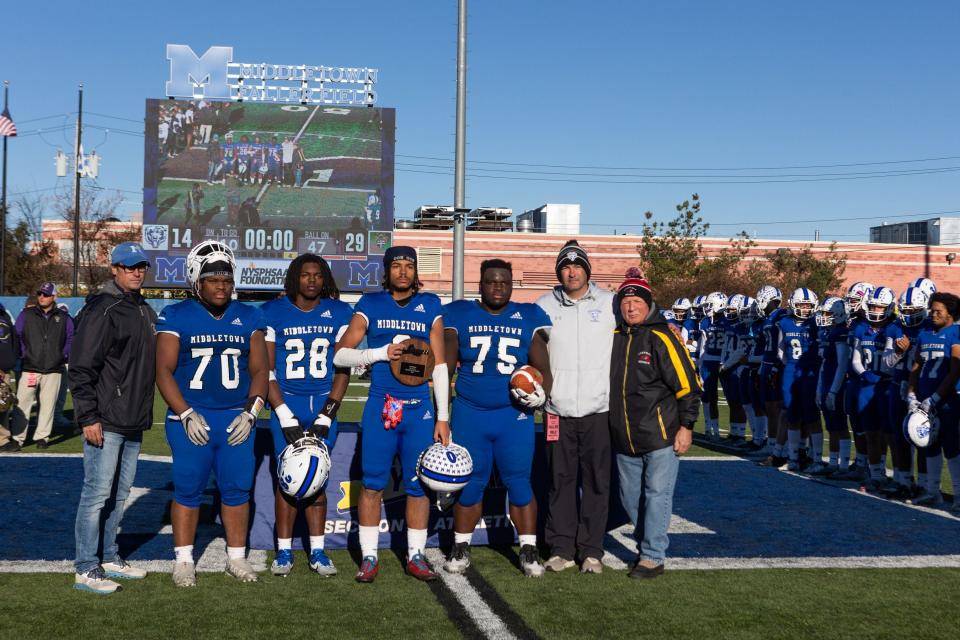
[415, 365]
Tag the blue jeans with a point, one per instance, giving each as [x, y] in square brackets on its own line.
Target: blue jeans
[108, 473]
[646, 490]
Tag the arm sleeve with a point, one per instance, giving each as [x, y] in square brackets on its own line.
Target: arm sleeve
[890, 356]
[69, 338]
[678, 373]
[781, 350]
[89, 349]
[856, 360]
[843, 359]
[19, 327]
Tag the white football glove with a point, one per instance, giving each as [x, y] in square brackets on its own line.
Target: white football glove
[831, 401]
[533, 400]
[912, 403]
[929, 405]
[196, 427]
[239, 429]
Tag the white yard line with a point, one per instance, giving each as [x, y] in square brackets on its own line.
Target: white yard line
[476, 607]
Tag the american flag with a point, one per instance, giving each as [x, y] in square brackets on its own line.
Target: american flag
[7, 128]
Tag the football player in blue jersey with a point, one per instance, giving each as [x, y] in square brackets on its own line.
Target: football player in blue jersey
[684, 314]
[491, 338]
[899, 338]
[212, 372]
[866, 363]
[751, 344]
[855, 297]
[305, 389]
[713, 332]
[729, 380]
[834, 357]
[397, 418]
[797, 349]
[932, 388]
[769, 299]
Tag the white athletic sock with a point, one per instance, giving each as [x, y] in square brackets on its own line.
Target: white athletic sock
[738, 429]
[876, 471]
[777, 449]
[460, 538]
[236, 553]
[713, 426]
[528, 538]
[317, 542]
[284, 543]
[184, 554]
[845, 448]
[416, 541]
[934, 471]
[816, 446]
[760, 436]
[793, 444]
[751, 419]
[861, 459]
[953, 464]
[834, 458]
[883, 461]
[369, 538]
[921, 479]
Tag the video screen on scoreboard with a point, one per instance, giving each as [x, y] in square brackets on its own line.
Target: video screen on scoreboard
[272, 181]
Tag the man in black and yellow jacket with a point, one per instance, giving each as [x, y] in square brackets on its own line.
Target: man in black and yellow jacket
[654, 403]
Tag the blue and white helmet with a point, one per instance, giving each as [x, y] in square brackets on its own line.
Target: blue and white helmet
[209, 254]
[833, 311]
[748, 310]
[681, 307]
[696, 307]
[912, 306]
[803, 302]
[767, 294]
[924, 284]
[714, 304]
[734, 304]
[444, 469]
[921, 428]
[856, 294]
[303, 468]
[668, 315]
[880, 304]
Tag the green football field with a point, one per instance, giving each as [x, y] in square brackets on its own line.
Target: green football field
[315, 208]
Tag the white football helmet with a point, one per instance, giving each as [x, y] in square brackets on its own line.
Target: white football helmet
[444, 469]
[921, 428]
[696, 308]
[734, 304]
[856, 294]
[303, 468]
[714, 304]
[767, 294]
[832, 311]
[681, 307]
[748, 310]
[668, 315]
[924, 284]
[913, 306]
[803, 303]
[208, 252]
[879, 305]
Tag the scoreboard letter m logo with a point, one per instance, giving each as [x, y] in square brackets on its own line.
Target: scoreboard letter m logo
[203, 77]
[364, 274]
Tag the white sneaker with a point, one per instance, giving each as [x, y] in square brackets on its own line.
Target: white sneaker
[557, 564]
[459, 560]
[240, 569]
[530, 561]
[591, 565]
[122, 569]
[95, 581]
[185, 574]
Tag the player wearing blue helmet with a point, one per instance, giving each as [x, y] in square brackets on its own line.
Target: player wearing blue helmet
[490, 339]
[797, 349]
[397, 418]
[212, 372]
[305, 390]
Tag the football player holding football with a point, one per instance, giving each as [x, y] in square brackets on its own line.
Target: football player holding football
[305, 389]
[212, 372]
[397, 418]
[490, 339]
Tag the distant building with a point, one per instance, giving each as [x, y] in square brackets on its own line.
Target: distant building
[561, 219]
[935, 231]
[101, 235]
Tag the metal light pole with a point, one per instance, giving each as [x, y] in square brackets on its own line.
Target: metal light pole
[77, 165]
[459, 219]
[3, 203]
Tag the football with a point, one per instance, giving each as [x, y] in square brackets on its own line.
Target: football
[524, 377]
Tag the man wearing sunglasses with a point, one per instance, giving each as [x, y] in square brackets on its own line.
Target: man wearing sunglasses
[112, 373]
[45, 333]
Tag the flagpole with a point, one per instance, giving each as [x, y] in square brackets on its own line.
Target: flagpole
[3, 202]
[77, 165]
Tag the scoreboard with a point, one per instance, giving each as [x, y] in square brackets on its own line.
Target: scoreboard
[271, 181]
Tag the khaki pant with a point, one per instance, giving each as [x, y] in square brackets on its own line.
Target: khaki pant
[9, 379]
[48, 388]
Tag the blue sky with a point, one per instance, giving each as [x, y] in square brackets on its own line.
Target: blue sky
[678, 92]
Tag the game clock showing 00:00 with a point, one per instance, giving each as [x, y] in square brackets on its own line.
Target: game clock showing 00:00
[275, 243]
